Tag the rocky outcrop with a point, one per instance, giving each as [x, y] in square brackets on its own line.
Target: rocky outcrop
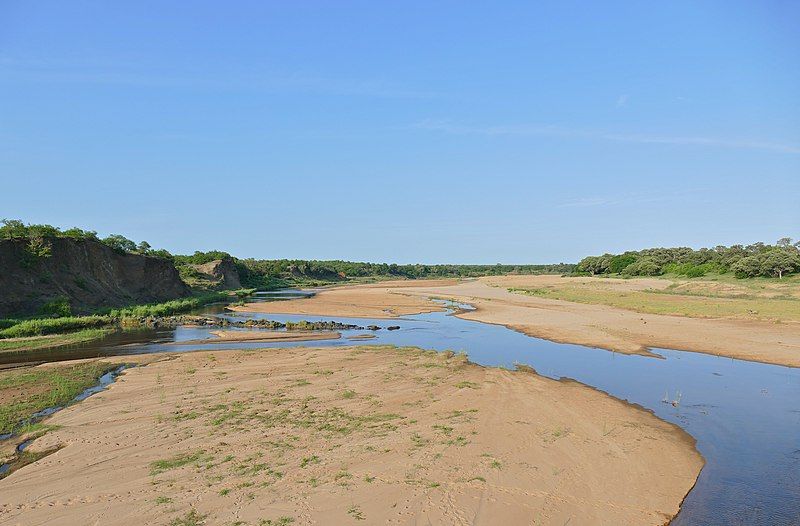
[83, 272]
[220, 274]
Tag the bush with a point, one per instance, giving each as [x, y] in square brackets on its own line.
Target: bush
[695, 271]
[57, 308]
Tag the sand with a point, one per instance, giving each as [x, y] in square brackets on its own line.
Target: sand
[600, 326]
[349, 436]
[362, 301]
[272, 336]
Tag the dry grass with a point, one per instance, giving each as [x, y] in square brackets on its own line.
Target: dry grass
[722, 296]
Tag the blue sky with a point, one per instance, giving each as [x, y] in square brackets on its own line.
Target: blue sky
[406, 131]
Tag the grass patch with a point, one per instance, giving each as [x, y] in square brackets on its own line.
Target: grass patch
[160, 466]
[23, 393]
[313, 459]
[169, 307]
[192, 518]
[43, 326]
[710, 297]
[356, 513]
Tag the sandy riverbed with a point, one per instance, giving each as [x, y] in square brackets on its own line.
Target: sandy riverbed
[361, 301]
[333, 436]
[601, 326]
[272, 336]
[624, 330]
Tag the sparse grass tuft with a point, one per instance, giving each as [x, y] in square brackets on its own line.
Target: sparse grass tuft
[355, 512]
[192, 518]
[313, 459]
[160, 466]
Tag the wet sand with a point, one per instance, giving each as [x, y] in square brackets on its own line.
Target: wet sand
[347, 436]
[272, 336]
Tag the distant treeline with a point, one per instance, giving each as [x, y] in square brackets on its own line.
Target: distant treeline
[271, 273]
[744, 261]
[276, 273]
[257, 273]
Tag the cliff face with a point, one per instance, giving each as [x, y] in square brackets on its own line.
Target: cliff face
[220, 274]
[87, 273]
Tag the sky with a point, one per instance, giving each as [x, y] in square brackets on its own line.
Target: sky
[433, 132]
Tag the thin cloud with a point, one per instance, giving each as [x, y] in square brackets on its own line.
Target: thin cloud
[59, 72]
[628, 199]
[606, 201]
[572, 133]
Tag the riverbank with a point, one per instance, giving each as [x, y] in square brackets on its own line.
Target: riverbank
[339, 435]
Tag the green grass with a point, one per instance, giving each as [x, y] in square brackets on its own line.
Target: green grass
[184, 459]
[356, 513]
[192, 518]
[25, 392]
[313, 459]
[169, 307]
[42, 326]
[12, 328]
[35, 343]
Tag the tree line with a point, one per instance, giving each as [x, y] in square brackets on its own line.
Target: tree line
[743, 261]
[38, 236]
[269, 273]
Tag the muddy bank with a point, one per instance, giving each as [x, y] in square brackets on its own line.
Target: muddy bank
[336, 436]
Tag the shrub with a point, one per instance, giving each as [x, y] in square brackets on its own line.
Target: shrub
[59, 307]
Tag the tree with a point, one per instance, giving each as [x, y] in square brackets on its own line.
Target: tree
[618, 263]
[747, 267]
[13, 229]
[120, 243]
[642, 267]
[143, 248]
[779, 262]
[784, 242]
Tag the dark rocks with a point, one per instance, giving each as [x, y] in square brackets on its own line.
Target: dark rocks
[212, 321]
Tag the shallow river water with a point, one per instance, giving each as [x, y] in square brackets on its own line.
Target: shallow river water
[744, 415]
